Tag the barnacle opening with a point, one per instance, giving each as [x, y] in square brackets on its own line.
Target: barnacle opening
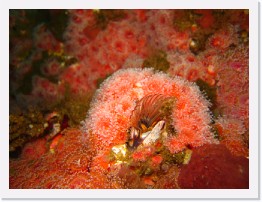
[150, 124]
[151, 112]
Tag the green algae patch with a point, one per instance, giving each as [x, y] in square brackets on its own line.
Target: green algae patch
[104, 16]
[158, 61]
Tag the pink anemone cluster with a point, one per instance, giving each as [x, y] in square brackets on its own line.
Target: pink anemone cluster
[109, 117]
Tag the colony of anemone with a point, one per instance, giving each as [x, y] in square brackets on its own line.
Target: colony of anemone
[187, 115]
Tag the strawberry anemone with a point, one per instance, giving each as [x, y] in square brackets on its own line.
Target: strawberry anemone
[141, 107]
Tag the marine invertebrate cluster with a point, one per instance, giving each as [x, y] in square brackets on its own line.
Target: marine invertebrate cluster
[159, 27]
[192, 68]
[233, 97]
[93, 52]
[109, 116]
[233, 100]
[45, 40]
[34, 149]
[82, 53]
[57, 169]
[233, 134]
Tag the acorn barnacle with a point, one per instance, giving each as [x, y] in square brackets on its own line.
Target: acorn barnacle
[149, 119]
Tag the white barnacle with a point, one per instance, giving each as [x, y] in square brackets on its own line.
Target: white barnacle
[154, 134]
[148, 120]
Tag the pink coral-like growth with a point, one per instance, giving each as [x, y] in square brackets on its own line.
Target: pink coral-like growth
[232, 131]
[112, 106]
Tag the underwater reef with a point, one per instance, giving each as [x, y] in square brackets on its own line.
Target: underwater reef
[129, 99]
